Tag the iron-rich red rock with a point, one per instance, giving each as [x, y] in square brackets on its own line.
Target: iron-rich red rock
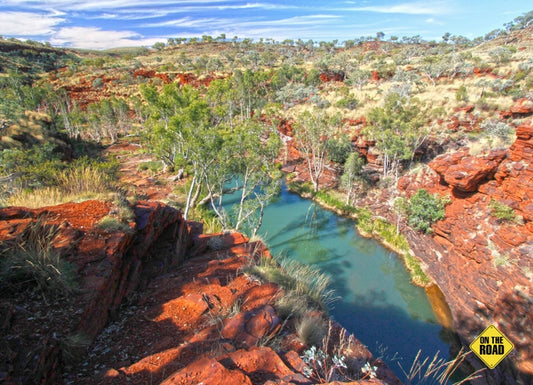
[481, 263]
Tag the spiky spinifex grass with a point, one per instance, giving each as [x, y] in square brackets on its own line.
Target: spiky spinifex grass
[74, 184]
[437, 371]
[306, 282]
[34, 261]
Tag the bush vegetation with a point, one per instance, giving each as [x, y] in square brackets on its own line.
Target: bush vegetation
[111, 224]
[503, 212]
[424, 209]
[34, 262]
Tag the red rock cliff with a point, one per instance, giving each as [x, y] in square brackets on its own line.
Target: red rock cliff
[483, 264]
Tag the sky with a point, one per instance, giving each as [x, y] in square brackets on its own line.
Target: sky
[102, 24]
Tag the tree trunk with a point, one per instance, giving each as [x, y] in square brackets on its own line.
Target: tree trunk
[189, 196]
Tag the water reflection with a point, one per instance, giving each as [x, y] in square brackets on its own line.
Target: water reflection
[378, 303]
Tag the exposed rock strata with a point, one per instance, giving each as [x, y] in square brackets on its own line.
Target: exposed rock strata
[140, 318]
[108, 267]
[483, 264]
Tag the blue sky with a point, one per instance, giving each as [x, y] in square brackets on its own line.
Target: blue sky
[101, 24]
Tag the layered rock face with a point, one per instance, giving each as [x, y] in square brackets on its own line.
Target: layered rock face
[483, 264]
[158, 303]
[39, 331]
[208, 323]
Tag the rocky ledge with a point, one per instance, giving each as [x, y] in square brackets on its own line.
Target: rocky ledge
[482, 263]
[158, 302]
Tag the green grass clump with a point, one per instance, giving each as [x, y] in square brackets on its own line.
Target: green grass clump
[152, 166]
[111, 224]
[389, 233]
[301, 188]
[305, 282]
[84, 179]
[34, 262]
[503, 212]
[327, 198]
[415, 270]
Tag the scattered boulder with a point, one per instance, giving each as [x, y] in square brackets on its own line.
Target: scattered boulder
[465, 173]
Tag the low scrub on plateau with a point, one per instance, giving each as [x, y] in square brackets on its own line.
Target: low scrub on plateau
[424, 209]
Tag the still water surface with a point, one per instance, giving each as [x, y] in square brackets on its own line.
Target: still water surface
[378, 304]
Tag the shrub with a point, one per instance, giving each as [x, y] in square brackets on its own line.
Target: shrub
[338, 149]
[424, 209]
[34, 261]
[110, 224]
[98, 83]
[349, 103]
[461, 95]
[503, 212]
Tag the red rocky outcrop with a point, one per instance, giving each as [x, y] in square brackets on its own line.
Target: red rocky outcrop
[199, 321]
[327, 77]
[523, 107]
[464, 173]
[150, 74]
[207, 322]
[481, 263]
[108, 267]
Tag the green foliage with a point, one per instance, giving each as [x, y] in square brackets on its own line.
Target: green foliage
[352, 173]
[349, 103]
[339, 148]
[424, 209]
[34, 262]
[111, 224]
[41, 179]
[287, 74]
[503, 212]
[295, 93]
[398, 129]
[176, 117]
[34, 167]
[153, 166]
[461, 95]
[501, 54]
[98, 83]
[415, 270]
[389, 233]
[313, 78]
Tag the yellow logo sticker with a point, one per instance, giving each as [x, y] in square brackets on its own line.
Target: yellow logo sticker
[491, 346]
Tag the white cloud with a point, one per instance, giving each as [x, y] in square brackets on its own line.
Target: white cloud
[29, 24]
[414, 8]
[431, 20]
[95, 38]
[100, 5]
[254, 5]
